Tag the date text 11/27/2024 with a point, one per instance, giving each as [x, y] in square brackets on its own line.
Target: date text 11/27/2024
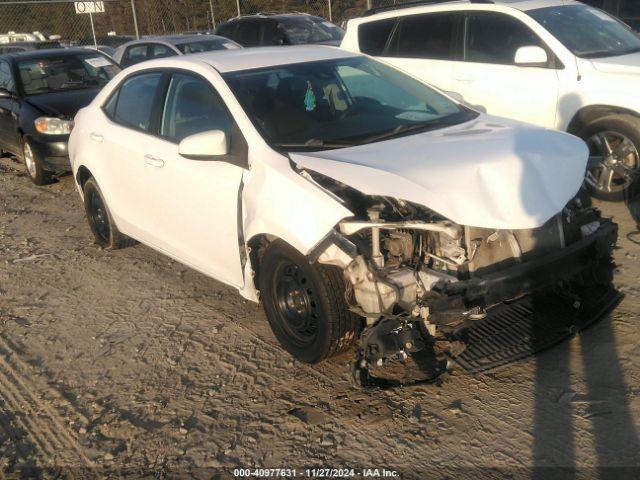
[315, 473]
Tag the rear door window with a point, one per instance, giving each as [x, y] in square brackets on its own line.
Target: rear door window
[159, 51]
[248, 33]
[373, 36]
[433, 36]
[495, 38]
[134, 101]
[135, 54]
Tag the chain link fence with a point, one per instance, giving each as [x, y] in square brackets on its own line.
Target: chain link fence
[58, 18]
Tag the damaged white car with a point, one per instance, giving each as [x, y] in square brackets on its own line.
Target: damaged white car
[358, 204]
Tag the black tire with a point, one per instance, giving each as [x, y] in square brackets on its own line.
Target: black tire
[33, 165]
[305, 304]
[627, 126]
[101, 222]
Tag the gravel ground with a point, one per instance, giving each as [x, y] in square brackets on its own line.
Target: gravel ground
[127, 362]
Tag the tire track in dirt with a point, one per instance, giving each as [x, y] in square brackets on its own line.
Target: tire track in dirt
[47, 431]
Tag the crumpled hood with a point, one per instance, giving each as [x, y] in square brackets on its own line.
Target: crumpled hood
[490, 172]
[626, 64]
[63, 104]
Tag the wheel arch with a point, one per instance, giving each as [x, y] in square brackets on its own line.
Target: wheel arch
[589, 114]
[82, 176]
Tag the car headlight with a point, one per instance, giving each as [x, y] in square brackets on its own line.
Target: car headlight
[53, 126]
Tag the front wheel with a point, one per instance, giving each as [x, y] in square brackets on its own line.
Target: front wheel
[305, 304]
[33, 165]
[614, 162]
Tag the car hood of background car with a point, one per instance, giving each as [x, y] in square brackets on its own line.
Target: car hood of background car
[490, 172]
[63, 104]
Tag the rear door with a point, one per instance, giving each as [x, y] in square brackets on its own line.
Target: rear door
[121, 141]
[489, 79]
[423, 45]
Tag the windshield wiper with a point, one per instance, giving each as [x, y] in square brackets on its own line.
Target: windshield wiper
[314, 143]
[406, 128]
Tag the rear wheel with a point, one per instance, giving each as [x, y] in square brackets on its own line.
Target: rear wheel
[33, 165]
[101, 222]
[305, 304]
[614, 160]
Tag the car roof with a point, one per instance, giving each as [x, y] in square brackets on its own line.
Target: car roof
[260, 57]
[46, 53]
[273, 15]
[176, 39]
[425, 6]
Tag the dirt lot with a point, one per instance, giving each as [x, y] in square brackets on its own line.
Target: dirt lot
[128, 362]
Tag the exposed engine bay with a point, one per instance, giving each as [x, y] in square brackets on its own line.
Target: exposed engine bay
[421, 280]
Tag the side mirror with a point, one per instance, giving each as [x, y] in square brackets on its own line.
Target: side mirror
[204, 146]
[4, 93]
[532, 56]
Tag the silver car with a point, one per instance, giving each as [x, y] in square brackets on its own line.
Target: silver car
[169, 45]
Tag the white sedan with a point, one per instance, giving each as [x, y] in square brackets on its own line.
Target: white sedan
[356, 202]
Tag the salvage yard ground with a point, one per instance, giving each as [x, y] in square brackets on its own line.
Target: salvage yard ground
[128, 361]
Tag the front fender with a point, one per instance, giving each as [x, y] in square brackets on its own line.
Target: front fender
[281, 203]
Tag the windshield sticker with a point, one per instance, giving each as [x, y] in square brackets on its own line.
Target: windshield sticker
[229, 45]
[98, 62]
[309, 98]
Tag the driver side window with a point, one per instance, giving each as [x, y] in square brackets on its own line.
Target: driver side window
[192, 106]
[495, 38]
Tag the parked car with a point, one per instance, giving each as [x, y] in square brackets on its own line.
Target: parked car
[168, 46]
[555, 63]
[110, 40]
[106, 49]
[626, 10]
[268, 29]
[17, 47]
[12, 37]
[342, 193]
[40, 93]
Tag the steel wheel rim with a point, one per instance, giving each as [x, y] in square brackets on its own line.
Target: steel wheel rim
[98, 214]
[29, 161]
[613, 162]
[296, 303]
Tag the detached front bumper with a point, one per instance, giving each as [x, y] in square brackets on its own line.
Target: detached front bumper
[52, 152]
[526, 308]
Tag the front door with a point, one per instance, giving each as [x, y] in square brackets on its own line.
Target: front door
[193, 207]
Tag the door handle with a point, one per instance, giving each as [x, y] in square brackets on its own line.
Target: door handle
[153, 161]
[96, 137]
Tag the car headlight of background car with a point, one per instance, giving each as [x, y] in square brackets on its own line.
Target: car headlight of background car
[53, 126]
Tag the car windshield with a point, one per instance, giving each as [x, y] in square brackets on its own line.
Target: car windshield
[305, 30]
[65, 72]
[587, 31]
[340, 102]
[206, 45]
